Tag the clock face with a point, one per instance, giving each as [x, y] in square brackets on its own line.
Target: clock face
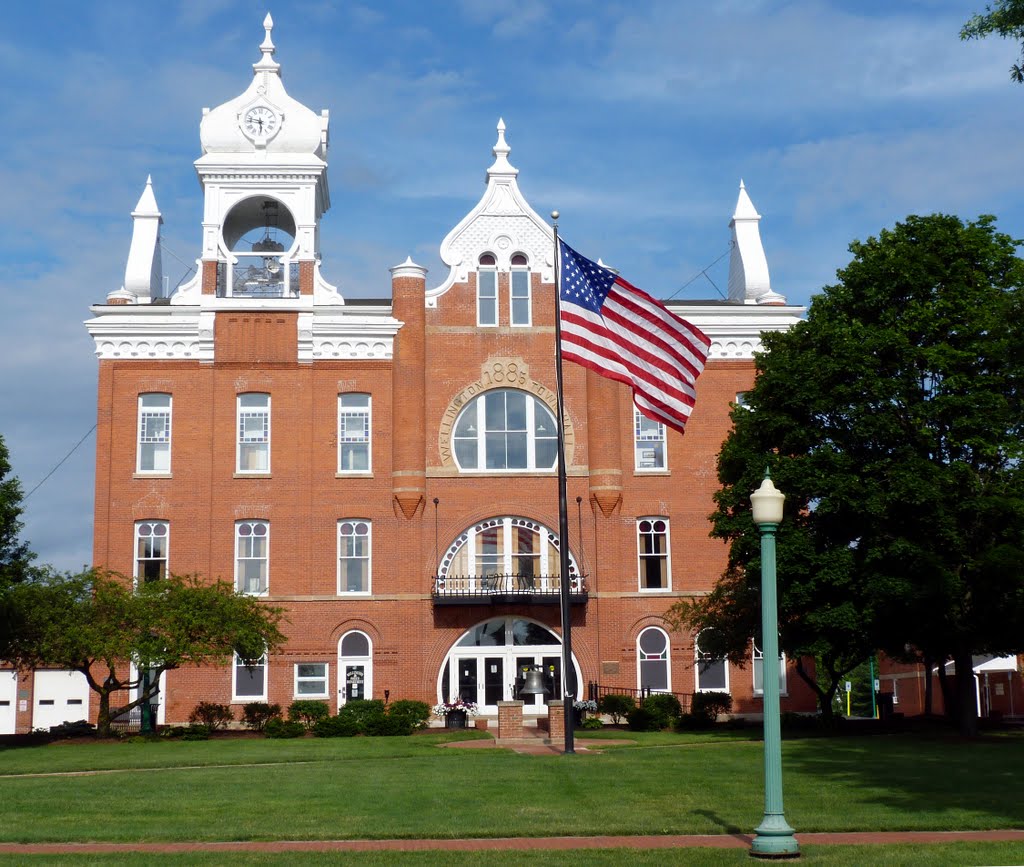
[260, 121]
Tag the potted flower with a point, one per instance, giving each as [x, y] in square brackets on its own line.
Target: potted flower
[580, 709]
[455, 712]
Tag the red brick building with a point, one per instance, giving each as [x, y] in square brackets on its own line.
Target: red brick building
[385, 470]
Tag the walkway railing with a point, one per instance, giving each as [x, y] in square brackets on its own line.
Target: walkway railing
[595, 692]
[513, 587]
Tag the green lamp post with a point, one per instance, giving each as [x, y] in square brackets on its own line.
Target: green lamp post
[774, 835]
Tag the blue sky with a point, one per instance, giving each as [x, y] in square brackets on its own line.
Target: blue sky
[635, 120]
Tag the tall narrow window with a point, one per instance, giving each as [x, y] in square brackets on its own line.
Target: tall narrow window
[519, 291]
[712, 669]
[354, 433]
[649, 442]
[154, 453]
[652, 660]
[249, 679]
[252, 557]
[487, 291]
[353, 556]
[254, 433]
[652, 549]
[151, 551]
[758, 667]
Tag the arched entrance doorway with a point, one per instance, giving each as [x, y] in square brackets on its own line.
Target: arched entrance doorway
[486, 665]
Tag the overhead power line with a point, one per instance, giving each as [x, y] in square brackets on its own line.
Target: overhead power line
[68, 455]
[703, 272]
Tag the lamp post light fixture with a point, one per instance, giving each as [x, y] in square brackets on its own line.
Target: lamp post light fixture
[774, 835]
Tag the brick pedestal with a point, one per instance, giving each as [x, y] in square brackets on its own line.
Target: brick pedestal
[556, 722]
[510, 719]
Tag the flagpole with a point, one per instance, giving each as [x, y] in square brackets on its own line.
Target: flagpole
[568, 671]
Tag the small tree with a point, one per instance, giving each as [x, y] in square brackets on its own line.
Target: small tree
[96, 623]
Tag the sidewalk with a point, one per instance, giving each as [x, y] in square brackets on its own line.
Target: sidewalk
[681, 841]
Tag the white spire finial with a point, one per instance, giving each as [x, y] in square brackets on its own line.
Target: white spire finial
[501, 150]
[267, 62]
[749, 282]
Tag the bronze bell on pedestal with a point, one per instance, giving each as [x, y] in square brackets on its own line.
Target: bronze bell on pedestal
[534, 684]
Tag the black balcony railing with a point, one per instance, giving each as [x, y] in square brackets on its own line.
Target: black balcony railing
[514, 587]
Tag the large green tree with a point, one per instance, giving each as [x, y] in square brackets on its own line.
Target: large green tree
[1004, 18]
[15, 556]
[893, 420]
[97, 623]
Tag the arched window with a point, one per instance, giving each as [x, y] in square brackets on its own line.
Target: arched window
[653, 660]
[504, 555]
[487, 291]
[519, 291]
[712, 671]
[505, 429]
[355, 666]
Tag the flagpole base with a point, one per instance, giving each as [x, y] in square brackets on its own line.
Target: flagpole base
[774, 839]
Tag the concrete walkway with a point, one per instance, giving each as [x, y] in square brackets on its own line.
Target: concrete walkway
[677, 841]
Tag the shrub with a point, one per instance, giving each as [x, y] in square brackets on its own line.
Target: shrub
[279, 728]
[336, 727]
[196, 732]
[664, 707]
[212, 715]
[590, 723]
[413, 714]
[710, 704]
[367, 713]
[77, 729]
[256, 714]
[617, 706]
[308, 712]
[640, 719]
[171, 732]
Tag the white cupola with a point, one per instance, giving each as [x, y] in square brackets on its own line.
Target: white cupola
[748, 268]
[264, 176]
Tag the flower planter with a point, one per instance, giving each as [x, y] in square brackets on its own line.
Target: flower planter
[455, 719]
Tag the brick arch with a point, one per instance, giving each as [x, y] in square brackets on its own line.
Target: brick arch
[358, 623]
[498, 372]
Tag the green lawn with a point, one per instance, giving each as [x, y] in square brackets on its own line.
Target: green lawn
[408, 787]
[930, 855]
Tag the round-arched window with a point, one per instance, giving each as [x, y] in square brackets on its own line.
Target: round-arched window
[505, 429]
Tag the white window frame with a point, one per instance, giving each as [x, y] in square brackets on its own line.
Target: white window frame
[654, 435]
[355, 410]
[238, 555]
[477, 407]
[144, 413]
[244, 439]
[238, 663]
[699, 657]
[137, 560]
[757, 664]
[641, 556]
[325, 693]
[491, 270]
[368, 558]
[524, 272]
[641, 658]
[365, 661]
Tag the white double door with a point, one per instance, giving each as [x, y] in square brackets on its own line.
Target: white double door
[489, 675]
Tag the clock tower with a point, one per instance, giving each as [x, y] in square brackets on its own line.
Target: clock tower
[264, 175]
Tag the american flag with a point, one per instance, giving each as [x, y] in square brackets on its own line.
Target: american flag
[623, 333]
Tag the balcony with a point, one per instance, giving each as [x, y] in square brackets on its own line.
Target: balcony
[516, 589]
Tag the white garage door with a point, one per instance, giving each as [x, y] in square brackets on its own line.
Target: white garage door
[8, 701]
[58, 697]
